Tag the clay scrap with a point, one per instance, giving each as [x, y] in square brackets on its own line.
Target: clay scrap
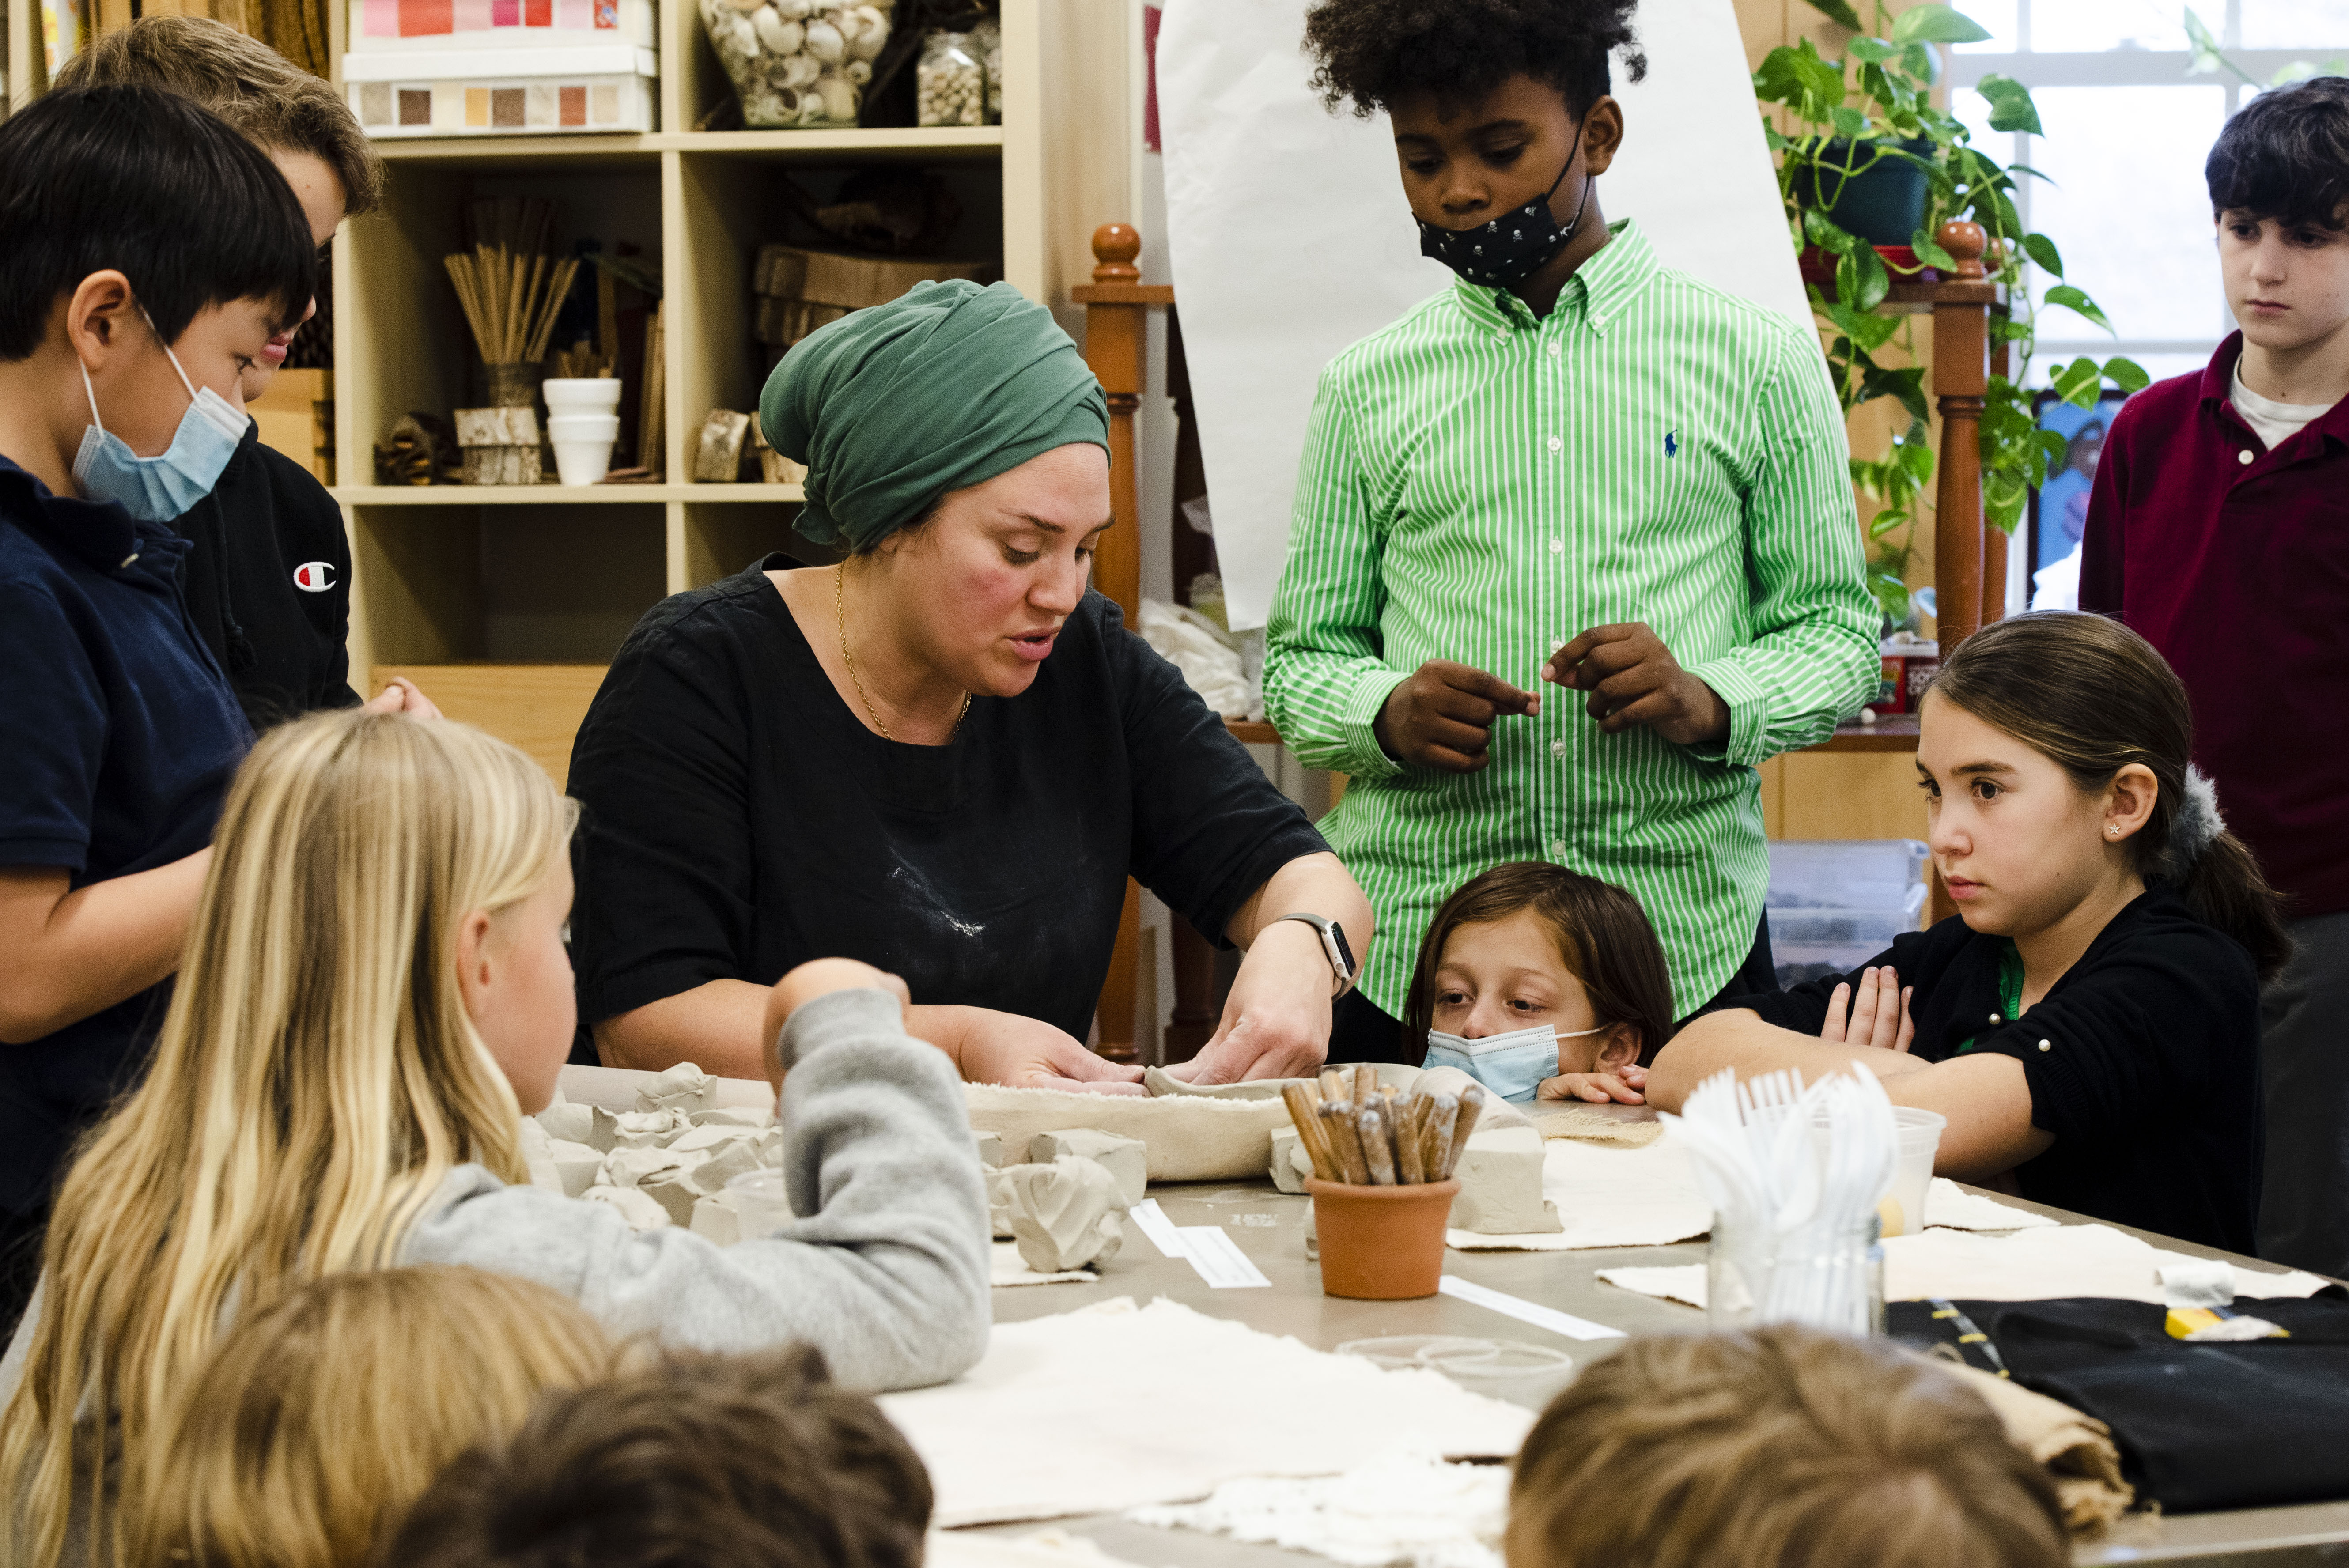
[660, 1164]
[1065, 1215]
[1127, 1159]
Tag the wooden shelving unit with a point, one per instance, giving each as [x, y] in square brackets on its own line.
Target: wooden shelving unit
[554, 575]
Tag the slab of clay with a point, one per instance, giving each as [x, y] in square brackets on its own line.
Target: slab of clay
[715, 1217]
[570, 1124]
[695, 1138]
[673, 1190]
[1500, 1185]
[1127, 1159]
[1159, 1081]
[1065, 1215]
[538, 1156]
[722, 1166]
[1290, 1163]
[684, 1087]
[576, 1165]
[990, 1147]
[1190, 1138]
[633, 1167]
[642, 1212]
[998, 1200]
[733, 1116]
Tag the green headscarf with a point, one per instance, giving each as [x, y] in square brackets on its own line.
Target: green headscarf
[946, 387]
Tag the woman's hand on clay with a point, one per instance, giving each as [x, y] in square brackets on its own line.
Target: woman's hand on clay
[818, 977]
[1026, 1053]
[1878, 1013]
[1275, 1023]
[1621, 1087]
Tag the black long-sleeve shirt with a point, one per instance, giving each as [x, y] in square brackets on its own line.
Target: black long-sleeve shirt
[2143, 1060]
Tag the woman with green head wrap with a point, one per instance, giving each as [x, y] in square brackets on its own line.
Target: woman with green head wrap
[943, 756]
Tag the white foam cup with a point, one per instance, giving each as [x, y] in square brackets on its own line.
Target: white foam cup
[582, 428]
[581, 393]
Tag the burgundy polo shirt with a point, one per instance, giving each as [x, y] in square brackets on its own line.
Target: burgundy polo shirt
[2233, 560]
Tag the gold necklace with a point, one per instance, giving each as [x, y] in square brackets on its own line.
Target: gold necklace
[848, 657]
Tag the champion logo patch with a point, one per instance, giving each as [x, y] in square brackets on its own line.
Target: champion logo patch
[315, 576]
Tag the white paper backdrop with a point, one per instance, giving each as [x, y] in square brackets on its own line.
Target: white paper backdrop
[1290, 237]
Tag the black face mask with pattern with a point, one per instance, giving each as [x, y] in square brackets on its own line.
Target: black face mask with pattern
[1510, 249]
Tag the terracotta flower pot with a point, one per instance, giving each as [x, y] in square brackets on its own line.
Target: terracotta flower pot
[1381, 1243]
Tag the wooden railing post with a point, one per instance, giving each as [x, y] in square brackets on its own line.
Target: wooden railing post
[1995, 542]
[1961, 379]
[1117, 321]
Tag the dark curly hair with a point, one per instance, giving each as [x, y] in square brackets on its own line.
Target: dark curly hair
[1374, 51]
[2285, 156]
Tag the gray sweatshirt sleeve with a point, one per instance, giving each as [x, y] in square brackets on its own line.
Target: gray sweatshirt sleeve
[886, 1271]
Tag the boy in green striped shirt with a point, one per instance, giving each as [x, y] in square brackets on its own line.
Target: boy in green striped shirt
[1574, 467]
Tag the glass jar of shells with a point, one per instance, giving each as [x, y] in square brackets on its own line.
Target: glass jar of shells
[798, 63]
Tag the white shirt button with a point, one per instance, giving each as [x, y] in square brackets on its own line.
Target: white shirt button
[1557, 749]
[2046, 1046]
[2244, 456]
[1558, 547]
[1553, 351]
[1557, 848]
[1555, 444]
[1502, 336]
[1998, 1019]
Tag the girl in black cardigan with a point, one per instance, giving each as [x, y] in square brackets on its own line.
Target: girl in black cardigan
[2089, 1021]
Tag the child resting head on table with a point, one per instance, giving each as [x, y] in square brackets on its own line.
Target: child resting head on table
[318, 1420]
[1541, 983]
[748, 1462]
[1785, 1448]
[374, 994]
[2089, 1020]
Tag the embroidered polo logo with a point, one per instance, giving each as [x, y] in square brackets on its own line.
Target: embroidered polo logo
[315, 576]
[1672, 443]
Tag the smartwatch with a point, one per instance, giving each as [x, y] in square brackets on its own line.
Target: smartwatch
[1333, 947]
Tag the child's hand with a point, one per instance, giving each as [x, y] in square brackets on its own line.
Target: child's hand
[1621, 1087]
[1874, 1020]
[820, 977]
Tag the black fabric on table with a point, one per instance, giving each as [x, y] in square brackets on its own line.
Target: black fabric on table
[2150, 1078]
[739, 820]
[2259, 1424]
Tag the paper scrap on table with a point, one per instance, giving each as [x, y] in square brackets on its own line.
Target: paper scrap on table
[1610, 1197]
[1951, 1206]
[1525, 1311]
[1218, 1258]
[1152, 1220]
[1408, 1509]
[1116, 1407]
[1040, 1548]
[2039, 1265]
[1007, 1267]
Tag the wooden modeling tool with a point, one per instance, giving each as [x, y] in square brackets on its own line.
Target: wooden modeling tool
[1304, 1109]
[1345, 1140]
[1378, 1149]
[1411, 1170]
[1472, 1106]
[1333, 1083]
[1436, 1136]
[1366, 1083]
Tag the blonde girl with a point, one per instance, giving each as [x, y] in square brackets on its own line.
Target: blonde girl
[319, 1420]
[374, 994]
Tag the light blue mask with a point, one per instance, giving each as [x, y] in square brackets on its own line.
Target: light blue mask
[1512, 1064]
[157, 489]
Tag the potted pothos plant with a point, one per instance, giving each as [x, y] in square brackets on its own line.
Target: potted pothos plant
[1854, 121]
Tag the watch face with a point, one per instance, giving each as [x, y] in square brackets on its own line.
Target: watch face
[1338, 934]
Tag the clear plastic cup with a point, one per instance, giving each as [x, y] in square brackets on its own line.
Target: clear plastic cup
[1912, 1178]
[760, 1198]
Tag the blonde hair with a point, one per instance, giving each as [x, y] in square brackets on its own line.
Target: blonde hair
[265, 97]
[318, 1421]
[1785, 1448]
[317, 1079]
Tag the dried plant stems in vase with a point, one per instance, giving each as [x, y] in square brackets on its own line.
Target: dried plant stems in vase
[511, 289]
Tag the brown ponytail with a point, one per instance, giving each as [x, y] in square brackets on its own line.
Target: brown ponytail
[2097, 698]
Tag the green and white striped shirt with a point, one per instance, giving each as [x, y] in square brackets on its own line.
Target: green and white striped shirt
[1482, 485]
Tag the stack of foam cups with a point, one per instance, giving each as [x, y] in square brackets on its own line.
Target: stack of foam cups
[582, 420]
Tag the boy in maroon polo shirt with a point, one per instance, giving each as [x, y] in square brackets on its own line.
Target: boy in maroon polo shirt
[2218, 529]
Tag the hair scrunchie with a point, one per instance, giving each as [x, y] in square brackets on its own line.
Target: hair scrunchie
[2195, 824]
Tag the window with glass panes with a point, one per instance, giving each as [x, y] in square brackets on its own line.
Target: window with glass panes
[2126, 131]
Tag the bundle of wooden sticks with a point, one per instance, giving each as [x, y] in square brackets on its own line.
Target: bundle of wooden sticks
[1357, 1130]
[509, 286]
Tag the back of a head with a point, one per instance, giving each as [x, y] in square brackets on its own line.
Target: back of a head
[1781, 1449]
[318, 1420]
[259, 91]
[152, 185]
[752, 1461]
[2285, 156]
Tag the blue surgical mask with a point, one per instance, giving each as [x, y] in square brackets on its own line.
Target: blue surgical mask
[1505, 251]
[158, 488]
[1512, 1064]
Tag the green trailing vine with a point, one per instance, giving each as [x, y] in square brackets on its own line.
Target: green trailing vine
[1849, 116]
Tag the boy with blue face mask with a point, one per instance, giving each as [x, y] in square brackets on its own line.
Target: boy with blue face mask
[147, 255]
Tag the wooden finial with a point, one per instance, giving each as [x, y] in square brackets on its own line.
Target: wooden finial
[1116, 245]
[1964, 241]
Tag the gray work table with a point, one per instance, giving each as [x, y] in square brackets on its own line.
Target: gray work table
[1269, 1226]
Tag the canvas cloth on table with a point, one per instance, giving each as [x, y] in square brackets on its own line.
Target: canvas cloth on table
[1404, 1508]
[2027, 1265]
[1610, 1197]
[1591, 1124]
[1041, 1549]
[2077, 1449]
[1007, 1267]
[1117, 1406]
[1953, 1208]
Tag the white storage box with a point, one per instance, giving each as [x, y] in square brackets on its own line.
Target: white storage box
[499, 92]
[1845, 874]
[393, 26]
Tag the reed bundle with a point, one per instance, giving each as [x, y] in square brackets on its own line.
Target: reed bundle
[511, 288]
